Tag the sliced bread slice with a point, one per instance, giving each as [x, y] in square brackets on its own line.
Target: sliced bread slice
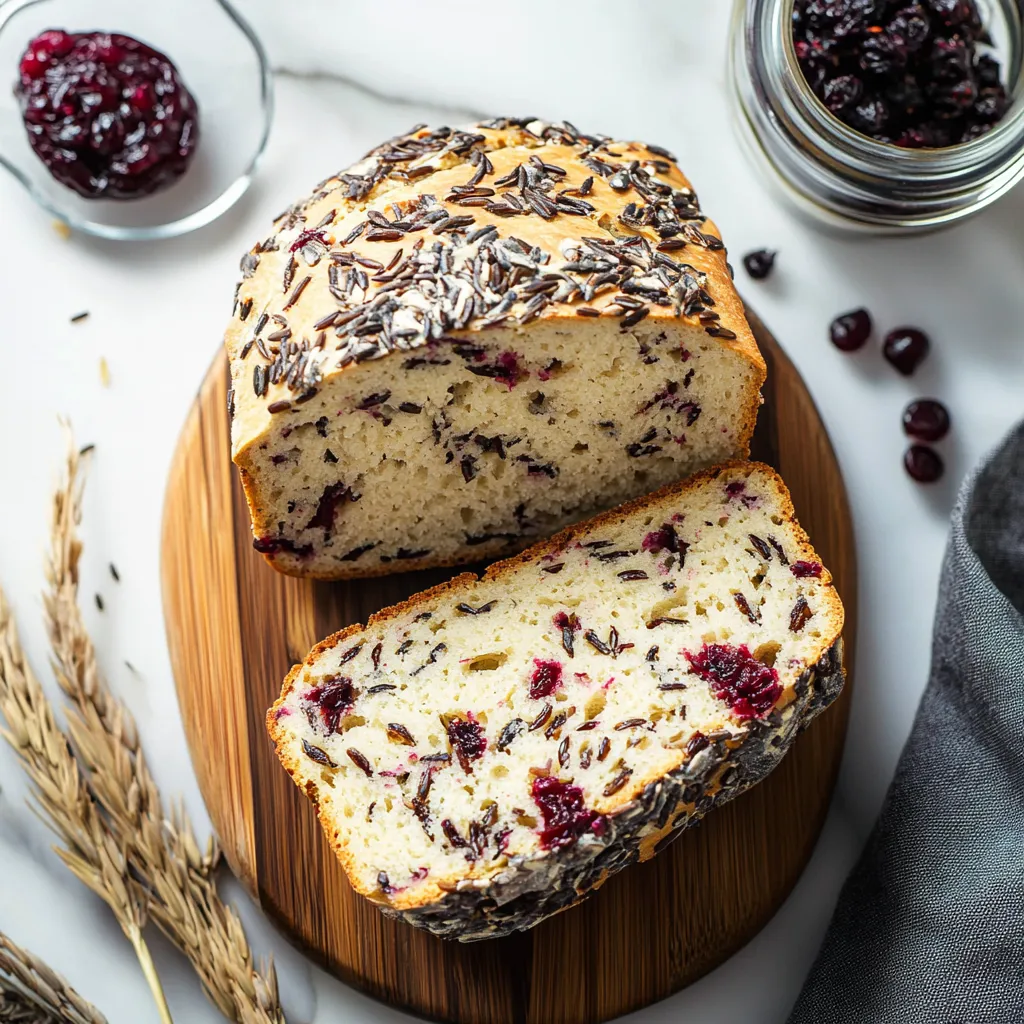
[490, 751]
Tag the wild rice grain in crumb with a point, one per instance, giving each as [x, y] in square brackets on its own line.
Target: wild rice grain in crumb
[511, 771]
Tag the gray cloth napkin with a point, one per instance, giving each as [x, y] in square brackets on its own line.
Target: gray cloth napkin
[930, 924]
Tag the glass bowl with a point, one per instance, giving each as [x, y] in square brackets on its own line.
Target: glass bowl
[222, 63]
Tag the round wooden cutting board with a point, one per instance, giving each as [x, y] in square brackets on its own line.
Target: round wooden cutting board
[235, 627]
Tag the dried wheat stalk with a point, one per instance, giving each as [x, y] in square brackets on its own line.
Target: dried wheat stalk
[62, 798]
[16, 1009]
[32, 993]
[161, 848]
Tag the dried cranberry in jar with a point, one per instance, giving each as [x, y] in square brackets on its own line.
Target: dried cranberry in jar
[108, 115]
[842, 92]
[906, 72]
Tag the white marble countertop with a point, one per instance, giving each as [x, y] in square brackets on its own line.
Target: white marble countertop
[156, 312]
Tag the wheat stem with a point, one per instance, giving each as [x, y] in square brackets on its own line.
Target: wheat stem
[93, 788]
[161, 848]
[61, 797]
[152, 978]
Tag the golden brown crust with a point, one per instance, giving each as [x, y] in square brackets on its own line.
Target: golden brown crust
[831, 612]
[297, 289]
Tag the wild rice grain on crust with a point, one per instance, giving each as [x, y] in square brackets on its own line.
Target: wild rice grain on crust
[493, 332]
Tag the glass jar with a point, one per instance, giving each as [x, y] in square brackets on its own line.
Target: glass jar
[848, 180]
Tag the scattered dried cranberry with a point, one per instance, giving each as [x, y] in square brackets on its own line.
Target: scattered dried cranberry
[306, 237]
[665, 539]
[749, 687]
[108, 116]
[335, 697]
[331, 497]
[905, 347]
[509, 371]
[467, 740]
[565, 815]
[563, 620]
[923, 463]
[926, 419]
[546, 678]
[759, 263]
[276, 545]
[850, 331]
[901, 71]
[802, 569]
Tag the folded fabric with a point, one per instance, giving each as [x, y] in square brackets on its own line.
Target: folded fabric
[930, 925]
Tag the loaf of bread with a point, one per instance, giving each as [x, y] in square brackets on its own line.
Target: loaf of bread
[475, 337]
[490, 751]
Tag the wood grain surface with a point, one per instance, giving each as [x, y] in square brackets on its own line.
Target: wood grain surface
[235, 627]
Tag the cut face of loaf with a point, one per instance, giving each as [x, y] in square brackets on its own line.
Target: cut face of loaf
[490, 751]
[475, 338]
[468, 449]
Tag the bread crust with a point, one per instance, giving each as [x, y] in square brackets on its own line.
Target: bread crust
[647, 813]
[380, 192]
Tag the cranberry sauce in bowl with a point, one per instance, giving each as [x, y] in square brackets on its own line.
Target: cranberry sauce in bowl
[127, 121]
[108, 115]
[887, 116]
